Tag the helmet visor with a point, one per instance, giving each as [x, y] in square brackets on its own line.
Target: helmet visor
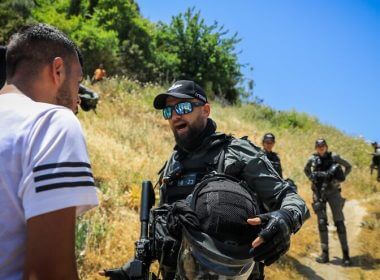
[193, 264]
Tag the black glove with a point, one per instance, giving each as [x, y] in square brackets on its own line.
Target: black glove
[320, 176]
[276, 231]
[313, 176]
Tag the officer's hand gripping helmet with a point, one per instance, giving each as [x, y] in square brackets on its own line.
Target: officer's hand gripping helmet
[221, 249]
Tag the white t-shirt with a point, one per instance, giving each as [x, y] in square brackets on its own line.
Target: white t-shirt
[44, 166]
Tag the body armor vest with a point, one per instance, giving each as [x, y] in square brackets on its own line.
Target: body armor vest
[323, 163]
[275, 161]
[183, 172]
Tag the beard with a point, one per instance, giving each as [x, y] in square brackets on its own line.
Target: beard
[65, 97]
[189, 139]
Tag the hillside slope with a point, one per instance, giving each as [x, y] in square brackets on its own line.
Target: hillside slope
[129, 141]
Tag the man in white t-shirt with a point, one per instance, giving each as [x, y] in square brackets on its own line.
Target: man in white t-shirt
[45, 174]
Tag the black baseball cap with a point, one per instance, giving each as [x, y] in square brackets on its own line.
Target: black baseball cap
[269, 137]
[320, 142]
[180, 89]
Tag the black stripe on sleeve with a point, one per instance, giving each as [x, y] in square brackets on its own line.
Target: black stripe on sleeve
[61, 175]
[61, 164]
[65, 185]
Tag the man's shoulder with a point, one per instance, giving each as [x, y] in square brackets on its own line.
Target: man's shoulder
[54, 116]
[245, 142]
[20, 104]
[243, 147]
[313, 157]
[334, 156]
[20, 109]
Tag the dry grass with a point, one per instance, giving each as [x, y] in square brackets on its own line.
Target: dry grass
[367, 262]
[129, 141]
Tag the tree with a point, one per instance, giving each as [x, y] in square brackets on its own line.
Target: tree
[97, 44]
[188, 48]
[114, 33]
[134, 34]
[13, 15]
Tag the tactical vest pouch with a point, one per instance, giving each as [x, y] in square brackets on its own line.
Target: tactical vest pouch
[166, 247]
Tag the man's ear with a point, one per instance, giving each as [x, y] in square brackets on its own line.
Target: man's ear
[58, 70]
[206, 109]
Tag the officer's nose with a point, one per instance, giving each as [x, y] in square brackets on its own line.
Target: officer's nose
[175, 116]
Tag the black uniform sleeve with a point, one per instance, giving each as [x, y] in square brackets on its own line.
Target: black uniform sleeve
[307, 168]
[243, 160]
[347, 166]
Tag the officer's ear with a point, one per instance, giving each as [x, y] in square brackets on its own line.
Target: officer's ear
[206, 109]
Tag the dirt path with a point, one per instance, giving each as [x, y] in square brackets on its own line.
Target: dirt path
[354, 214]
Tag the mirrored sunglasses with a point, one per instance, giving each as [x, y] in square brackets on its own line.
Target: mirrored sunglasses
[181, 108]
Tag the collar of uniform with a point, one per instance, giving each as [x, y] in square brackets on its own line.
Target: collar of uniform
[216, 139]
[325, 155]
[208, 143]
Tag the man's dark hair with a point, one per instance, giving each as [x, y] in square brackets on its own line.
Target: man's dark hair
[35, 46]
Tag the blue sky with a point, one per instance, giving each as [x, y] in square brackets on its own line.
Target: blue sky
[320, 57]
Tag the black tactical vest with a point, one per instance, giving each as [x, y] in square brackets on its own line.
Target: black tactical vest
[183, 171]
[323, 163]
[275, 161]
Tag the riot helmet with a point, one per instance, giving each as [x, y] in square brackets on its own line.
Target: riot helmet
[220, 249]
[337, 172]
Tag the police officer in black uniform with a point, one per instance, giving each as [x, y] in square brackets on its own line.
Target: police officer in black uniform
[324, 171]
[201, 150]
[376, 159]
[268, 143]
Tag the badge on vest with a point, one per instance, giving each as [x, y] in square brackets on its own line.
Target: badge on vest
[187, 180]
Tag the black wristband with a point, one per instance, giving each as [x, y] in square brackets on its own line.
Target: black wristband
[296, 220]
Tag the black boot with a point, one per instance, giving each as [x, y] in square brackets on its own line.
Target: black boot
[346, 258]
[324, 257]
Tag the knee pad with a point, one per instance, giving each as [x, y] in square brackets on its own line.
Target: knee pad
[322, 224]
[340, 227]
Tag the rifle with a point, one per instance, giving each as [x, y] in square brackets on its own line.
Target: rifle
[320, 181]
[139, 267]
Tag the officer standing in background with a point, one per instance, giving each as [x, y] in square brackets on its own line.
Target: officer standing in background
[324, 171]
[201, 150]
[268, 143]
[376, 159]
